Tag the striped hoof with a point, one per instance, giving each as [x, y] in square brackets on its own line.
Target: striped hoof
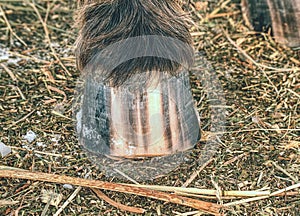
[138, 120]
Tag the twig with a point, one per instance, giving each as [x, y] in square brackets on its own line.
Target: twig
[207, 196]
[218, 15]
[61, 115]
[41, 152]
[234, 159]
[126, 176]
[209, 207]
[10, 73]
[218, 190]
[285, 194]
[295, 93]
[8, 202]
[20, 92]
[285, 172]
[29, 57]
[47, 36]
[263, 129]
[16, 213]
[196, 173]
[44, 212]
[285, 189]
[21, 119]
[116, 204]
[276, 193]
[10, 28]
[245, 201]
[216, 11]
[51, 88]
[186, 213]
[202, 191]
[10, 168]
[293, 193]
[73, 195]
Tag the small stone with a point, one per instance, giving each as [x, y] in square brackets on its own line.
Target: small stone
[30, 136]
[4, 149]
[68, 186]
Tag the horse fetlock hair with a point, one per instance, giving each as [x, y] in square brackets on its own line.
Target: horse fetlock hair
[104, 23]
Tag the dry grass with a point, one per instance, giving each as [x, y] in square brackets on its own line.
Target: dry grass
[259, 151]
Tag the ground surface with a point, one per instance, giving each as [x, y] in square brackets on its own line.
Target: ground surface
[259, 150]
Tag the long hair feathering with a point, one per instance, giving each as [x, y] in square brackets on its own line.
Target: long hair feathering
[105, 22]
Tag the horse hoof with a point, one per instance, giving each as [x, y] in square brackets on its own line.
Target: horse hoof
[138, 120]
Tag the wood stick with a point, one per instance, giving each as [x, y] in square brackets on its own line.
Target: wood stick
[203, 191]
[276, 193]
[116, 204]
[295, 186]
[60, 179]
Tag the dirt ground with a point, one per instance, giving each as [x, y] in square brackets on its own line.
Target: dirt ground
[259, 150]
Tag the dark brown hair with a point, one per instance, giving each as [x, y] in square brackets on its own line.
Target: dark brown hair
[105, 22]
